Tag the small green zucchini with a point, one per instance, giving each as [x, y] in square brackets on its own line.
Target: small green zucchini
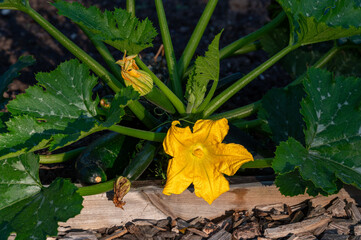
[99, 156]
[140, 162]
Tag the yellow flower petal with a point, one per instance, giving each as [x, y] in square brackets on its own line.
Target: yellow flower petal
[176, 139]
[179, 176]
[210, 131]
[230, 157]
[210, 183]
[201, 157]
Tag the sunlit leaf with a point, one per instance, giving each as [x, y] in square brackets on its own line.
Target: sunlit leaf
[55, 112]
[117, 28]
[322, 20]
[206, 69]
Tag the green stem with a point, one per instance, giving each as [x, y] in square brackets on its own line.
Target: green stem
[98, 69]
[75, 50]
[237, 113]
[147, 135]
[196, 37]
[319, 64]
[208, 98]
[249, 109]
[259, 163]
[106, 55]
[60, 157]
[177, 103]
[168, 49]
[247, 124]
[131, 7]
[234, 88]
[96, 189]
[251, 47]
[233, 47]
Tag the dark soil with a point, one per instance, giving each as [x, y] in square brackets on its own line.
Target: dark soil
[20, 35]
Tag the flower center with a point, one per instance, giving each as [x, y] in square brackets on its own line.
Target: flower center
[198, 152]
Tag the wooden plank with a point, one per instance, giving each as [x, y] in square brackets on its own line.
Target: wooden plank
[148, 202]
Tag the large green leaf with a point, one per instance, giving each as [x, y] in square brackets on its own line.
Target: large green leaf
[57, 111]
[332, 114]
[206, 69]
[281, 109]
[292, 184]
[317, 21]
[28, 208]
[19, 179]
[117, 28]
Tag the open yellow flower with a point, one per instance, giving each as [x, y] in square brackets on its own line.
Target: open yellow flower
[200, 157]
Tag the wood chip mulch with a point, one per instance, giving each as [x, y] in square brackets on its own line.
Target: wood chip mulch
[337, 220]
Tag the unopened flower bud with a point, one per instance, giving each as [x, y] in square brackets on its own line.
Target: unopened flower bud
[140, 80]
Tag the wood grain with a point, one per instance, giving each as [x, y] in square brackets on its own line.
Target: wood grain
[148, 202]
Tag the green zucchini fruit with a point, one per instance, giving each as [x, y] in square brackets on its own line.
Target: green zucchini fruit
[140, 162]
[99, 156]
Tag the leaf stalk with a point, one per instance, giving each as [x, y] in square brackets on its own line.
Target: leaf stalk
[168, 50]
[235, 87]
[196, 37]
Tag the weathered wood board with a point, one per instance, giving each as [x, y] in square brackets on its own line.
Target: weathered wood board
[148, 202]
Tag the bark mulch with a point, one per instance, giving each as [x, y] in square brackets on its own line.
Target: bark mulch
[337, 220]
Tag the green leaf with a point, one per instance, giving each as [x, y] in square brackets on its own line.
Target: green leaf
[117, 28]
[281, 109]
[297, 61]
[11, 73]
[14, 4]
[292, 184]
[57, 111]
[323, 20]
[206, 69]
[28, 208]
[4, 117]
[332, 114]
[19, 179]
[67, 95]
[345, 63]
[121, 99]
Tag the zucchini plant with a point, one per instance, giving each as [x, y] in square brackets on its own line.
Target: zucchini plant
[311, 128]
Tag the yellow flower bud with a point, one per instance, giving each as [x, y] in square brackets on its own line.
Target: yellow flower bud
[140, 80]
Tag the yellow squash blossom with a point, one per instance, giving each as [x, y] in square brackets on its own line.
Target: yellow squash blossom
[200, 157]
[140, 80]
